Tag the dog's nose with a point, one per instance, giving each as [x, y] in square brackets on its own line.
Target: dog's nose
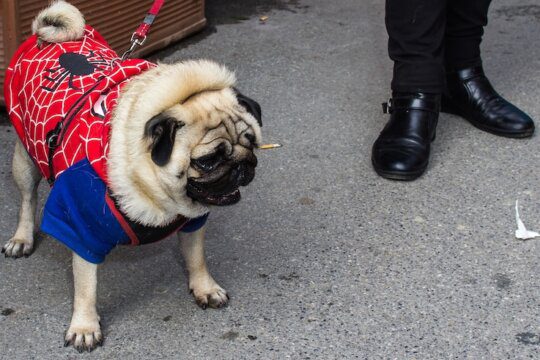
[245, 172]
[250, 159]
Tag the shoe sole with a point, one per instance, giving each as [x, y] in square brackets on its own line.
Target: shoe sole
[396, 175]
[451, 109]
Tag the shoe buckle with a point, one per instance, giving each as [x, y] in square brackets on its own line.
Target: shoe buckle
[387, 106]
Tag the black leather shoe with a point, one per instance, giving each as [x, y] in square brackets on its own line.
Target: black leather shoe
[471, 96]
[401, 152]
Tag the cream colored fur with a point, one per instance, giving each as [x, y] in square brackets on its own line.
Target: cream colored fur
[84, 331]
[59, 22]
[27, 178]
[200, 95]
[204, 288]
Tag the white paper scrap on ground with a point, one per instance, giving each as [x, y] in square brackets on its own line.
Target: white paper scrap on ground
[522, 232]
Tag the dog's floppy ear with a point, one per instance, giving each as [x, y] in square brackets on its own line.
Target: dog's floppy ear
[250, 105]
[161, 130]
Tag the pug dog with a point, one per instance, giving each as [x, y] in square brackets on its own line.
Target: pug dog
[133, 152]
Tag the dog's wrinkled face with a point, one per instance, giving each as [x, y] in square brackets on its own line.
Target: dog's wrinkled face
[182, 138]
[209, 142]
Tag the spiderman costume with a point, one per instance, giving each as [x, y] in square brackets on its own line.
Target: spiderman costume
[60, 98]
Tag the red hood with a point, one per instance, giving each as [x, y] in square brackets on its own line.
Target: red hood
[43, 82]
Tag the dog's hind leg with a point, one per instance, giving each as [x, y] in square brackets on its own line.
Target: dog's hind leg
[27, 178]
[84, 332]
[201, 284]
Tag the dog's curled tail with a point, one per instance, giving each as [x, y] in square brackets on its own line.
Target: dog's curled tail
[59, 22]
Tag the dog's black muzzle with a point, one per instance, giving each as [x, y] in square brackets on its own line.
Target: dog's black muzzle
[223, 191]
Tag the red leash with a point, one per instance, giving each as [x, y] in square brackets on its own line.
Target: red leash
[139, 36]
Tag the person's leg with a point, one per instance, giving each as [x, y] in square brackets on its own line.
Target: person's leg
[469, 93]
[416, 31]
[464, 30]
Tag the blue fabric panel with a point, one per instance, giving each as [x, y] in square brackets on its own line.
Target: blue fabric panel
[77, 214]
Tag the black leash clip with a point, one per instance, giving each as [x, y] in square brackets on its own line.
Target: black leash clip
[52, 139]
[53, 135]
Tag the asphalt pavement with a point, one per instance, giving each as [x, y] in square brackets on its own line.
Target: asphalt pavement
[322, 258]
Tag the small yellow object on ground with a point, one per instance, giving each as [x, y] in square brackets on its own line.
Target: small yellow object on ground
[269, 146]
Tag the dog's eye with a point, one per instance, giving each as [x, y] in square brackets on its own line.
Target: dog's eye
[251, 138]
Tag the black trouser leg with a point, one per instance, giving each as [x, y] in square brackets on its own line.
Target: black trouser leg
[464, 29]
[416, 30]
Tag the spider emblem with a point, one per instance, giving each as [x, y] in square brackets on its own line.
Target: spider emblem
[73, 64]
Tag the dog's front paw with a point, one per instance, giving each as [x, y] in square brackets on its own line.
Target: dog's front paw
[16, 248]
[84, 336]
[208, 293]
